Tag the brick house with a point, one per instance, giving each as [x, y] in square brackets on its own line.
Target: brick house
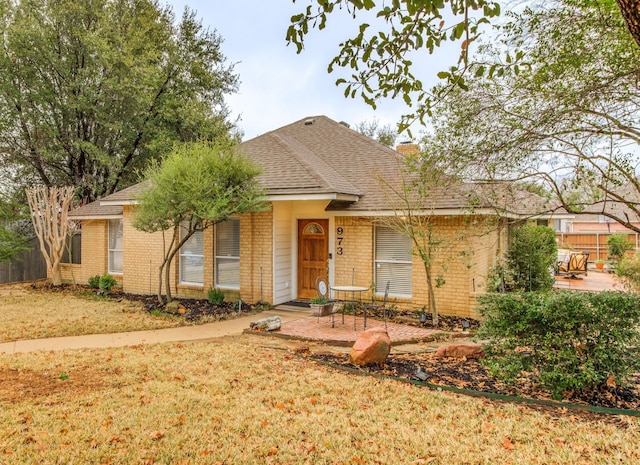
[326, 218]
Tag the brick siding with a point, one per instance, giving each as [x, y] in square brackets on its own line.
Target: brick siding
[469, 252]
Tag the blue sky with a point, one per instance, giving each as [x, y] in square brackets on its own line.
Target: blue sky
[279, 86]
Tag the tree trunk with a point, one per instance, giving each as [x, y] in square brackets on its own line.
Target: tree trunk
[630, 10]
[432, 296]
[167, 279]
[49, 208]
[160, 273]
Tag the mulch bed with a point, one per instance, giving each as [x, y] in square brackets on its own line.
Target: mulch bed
[473, 375]
[196, 309]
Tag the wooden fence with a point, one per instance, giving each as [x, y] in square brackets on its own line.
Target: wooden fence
[28, 266]
[594, 243]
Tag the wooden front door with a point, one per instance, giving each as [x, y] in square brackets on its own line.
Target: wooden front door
[313, 255]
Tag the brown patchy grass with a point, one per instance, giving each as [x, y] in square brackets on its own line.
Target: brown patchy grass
[26, 313]
[248, 401]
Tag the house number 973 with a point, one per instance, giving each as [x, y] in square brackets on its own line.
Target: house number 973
[339, 240]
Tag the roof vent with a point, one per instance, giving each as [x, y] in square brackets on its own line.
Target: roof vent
[309, 122]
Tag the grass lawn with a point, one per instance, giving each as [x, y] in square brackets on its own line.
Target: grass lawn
[249, 401]
[31, 314]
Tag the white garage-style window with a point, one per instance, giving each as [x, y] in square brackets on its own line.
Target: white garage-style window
[393, 262]
[227, 254]
[192, 260]
[115, 246]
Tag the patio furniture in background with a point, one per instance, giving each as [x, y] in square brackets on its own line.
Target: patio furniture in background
[572, 263]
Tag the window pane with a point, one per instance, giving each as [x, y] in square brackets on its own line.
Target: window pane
[191, 269]
[391, 245]
[115, 261]
[115, 234]
[228, 272]
[192, 260]
[116, 241]
[193, 246]
[227, 253]
[228, 238]
[393, 262]
[397, 274]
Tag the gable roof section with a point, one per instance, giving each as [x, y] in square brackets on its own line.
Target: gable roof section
[335, 157]
[290, 168]
[125, 196]
[96, 211]
[318, 158]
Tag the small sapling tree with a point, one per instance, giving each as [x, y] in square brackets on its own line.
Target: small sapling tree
[196, 186]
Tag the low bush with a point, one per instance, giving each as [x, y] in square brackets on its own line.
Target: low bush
[94, 282]
[107, 282]
[566, 340]
[529, 263]
[215, 296]
[628, 273]
[617, 246]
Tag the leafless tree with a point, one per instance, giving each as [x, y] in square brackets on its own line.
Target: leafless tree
[49, 207]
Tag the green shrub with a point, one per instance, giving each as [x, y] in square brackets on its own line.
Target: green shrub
[215, 296]
[617, 245]
[628, 273]
[94, 282]
[567, 340]
[107, 282]
[529, 263]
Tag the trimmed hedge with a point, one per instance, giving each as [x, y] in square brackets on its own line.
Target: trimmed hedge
[567, 340]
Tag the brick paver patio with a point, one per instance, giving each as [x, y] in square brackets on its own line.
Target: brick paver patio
[312, 328]
[594, 281]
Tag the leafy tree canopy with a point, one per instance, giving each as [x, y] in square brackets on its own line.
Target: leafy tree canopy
[386, 134]
[381, 54]
[566, 118]
[382, 57]
[91, 90]
[11, 241]
[196, 186]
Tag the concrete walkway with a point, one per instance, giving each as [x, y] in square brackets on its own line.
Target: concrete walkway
[184, 333]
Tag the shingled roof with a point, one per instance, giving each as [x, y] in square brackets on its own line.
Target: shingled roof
[318, 158]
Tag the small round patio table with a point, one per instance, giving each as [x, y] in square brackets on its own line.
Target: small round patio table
[346, 290]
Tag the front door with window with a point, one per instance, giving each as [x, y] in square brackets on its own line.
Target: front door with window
[313, 255]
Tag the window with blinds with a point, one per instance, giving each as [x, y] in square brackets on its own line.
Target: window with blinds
[227, 254]
[116, 242]
[192, 260]
[393, 262]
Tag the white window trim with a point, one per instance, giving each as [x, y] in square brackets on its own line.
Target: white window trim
[110, 250]
[380, 291]
[192, 255]
[216, 257]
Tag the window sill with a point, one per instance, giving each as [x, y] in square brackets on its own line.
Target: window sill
[196, 287]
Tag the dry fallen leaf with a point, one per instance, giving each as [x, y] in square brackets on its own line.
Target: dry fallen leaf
[507, 444]
[272, 451]
[157, 435]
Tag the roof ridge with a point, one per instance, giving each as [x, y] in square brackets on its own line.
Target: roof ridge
[315, 165]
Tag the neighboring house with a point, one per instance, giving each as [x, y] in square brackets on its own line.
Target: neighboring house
[326, 201]
[595, 224]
